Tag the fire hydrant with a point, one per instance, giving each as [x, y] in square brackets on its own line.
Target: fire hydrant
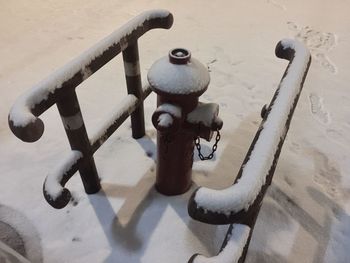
[180, 119]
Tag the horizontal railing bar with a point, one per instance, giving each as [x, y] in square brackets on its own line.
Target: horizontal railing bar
[116, 118]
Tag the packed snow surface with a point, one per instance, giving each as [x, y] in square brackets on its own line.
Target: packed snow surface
[305, 213]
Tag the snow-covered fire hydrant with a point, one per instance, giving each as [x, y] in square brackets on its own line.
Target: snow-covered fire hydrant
[180, 119]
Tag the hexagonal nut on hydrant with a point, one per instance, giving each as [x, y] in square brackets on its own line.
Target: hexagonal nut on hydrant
[179, 80]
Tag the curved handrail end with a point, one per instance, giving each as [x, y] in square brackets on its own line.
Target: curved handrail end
[30, 132]
[192, 259]
[283, 51]
[288, 48]
[60, 201]
[161, 13]
[198, 213]
[54, 192]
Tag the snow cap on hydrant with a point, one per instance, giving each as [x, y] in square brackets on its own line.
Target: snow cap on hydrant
[178, 74]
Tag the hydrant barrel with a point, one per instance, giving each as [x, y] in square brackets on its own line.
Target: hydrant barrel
[178, 80]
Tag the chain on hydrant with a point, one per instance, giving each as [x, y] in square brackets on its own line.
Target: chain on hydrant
[197, 143]
[179, 80]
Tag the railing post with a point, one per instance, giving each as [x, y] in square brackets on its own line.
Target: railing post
[134, 86]
[69, 109]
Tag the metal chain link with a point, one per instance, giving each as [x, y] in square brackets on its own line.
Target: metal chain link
[197, 143]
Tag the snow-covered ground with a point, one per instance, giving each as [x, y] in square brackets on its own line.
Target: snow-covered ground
[305, 216]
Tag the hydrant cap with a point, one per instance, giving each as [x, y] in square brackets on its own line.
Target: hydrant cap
[178, 74]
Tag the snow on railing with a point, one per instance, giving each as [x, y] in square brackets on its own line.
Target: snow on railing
[23, 117]
[241, 202]
[59, 89]
[54, 191]
[236, 242]
[116, 118]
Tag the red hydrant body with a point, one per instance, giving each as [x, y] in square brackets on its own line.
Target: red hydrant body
[179, 80]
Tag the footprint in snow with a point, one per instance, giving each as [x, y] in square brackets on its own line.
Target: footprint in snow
[326, 173]
[319, 43]
[318, 110]
[277, 4]
[325, 62]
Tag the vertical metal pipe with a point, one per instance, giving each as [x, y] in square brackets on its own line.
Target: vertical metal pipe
[69, 109]
[134, 86]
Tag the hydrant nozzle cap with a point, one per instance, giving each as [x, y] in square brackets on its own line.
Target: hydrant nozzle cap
[179, 56]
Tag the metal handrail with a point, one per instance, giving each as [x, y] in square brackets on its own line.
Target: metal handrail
[23, 117]
[248, 207]
[59, 88]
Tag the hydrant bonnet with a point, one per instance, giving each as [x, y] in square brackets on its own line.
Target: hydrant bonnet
[178, 74]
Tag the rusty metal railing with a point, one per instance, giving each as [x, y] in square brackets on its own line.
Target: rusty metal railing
[239, 205]
[59, 89]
